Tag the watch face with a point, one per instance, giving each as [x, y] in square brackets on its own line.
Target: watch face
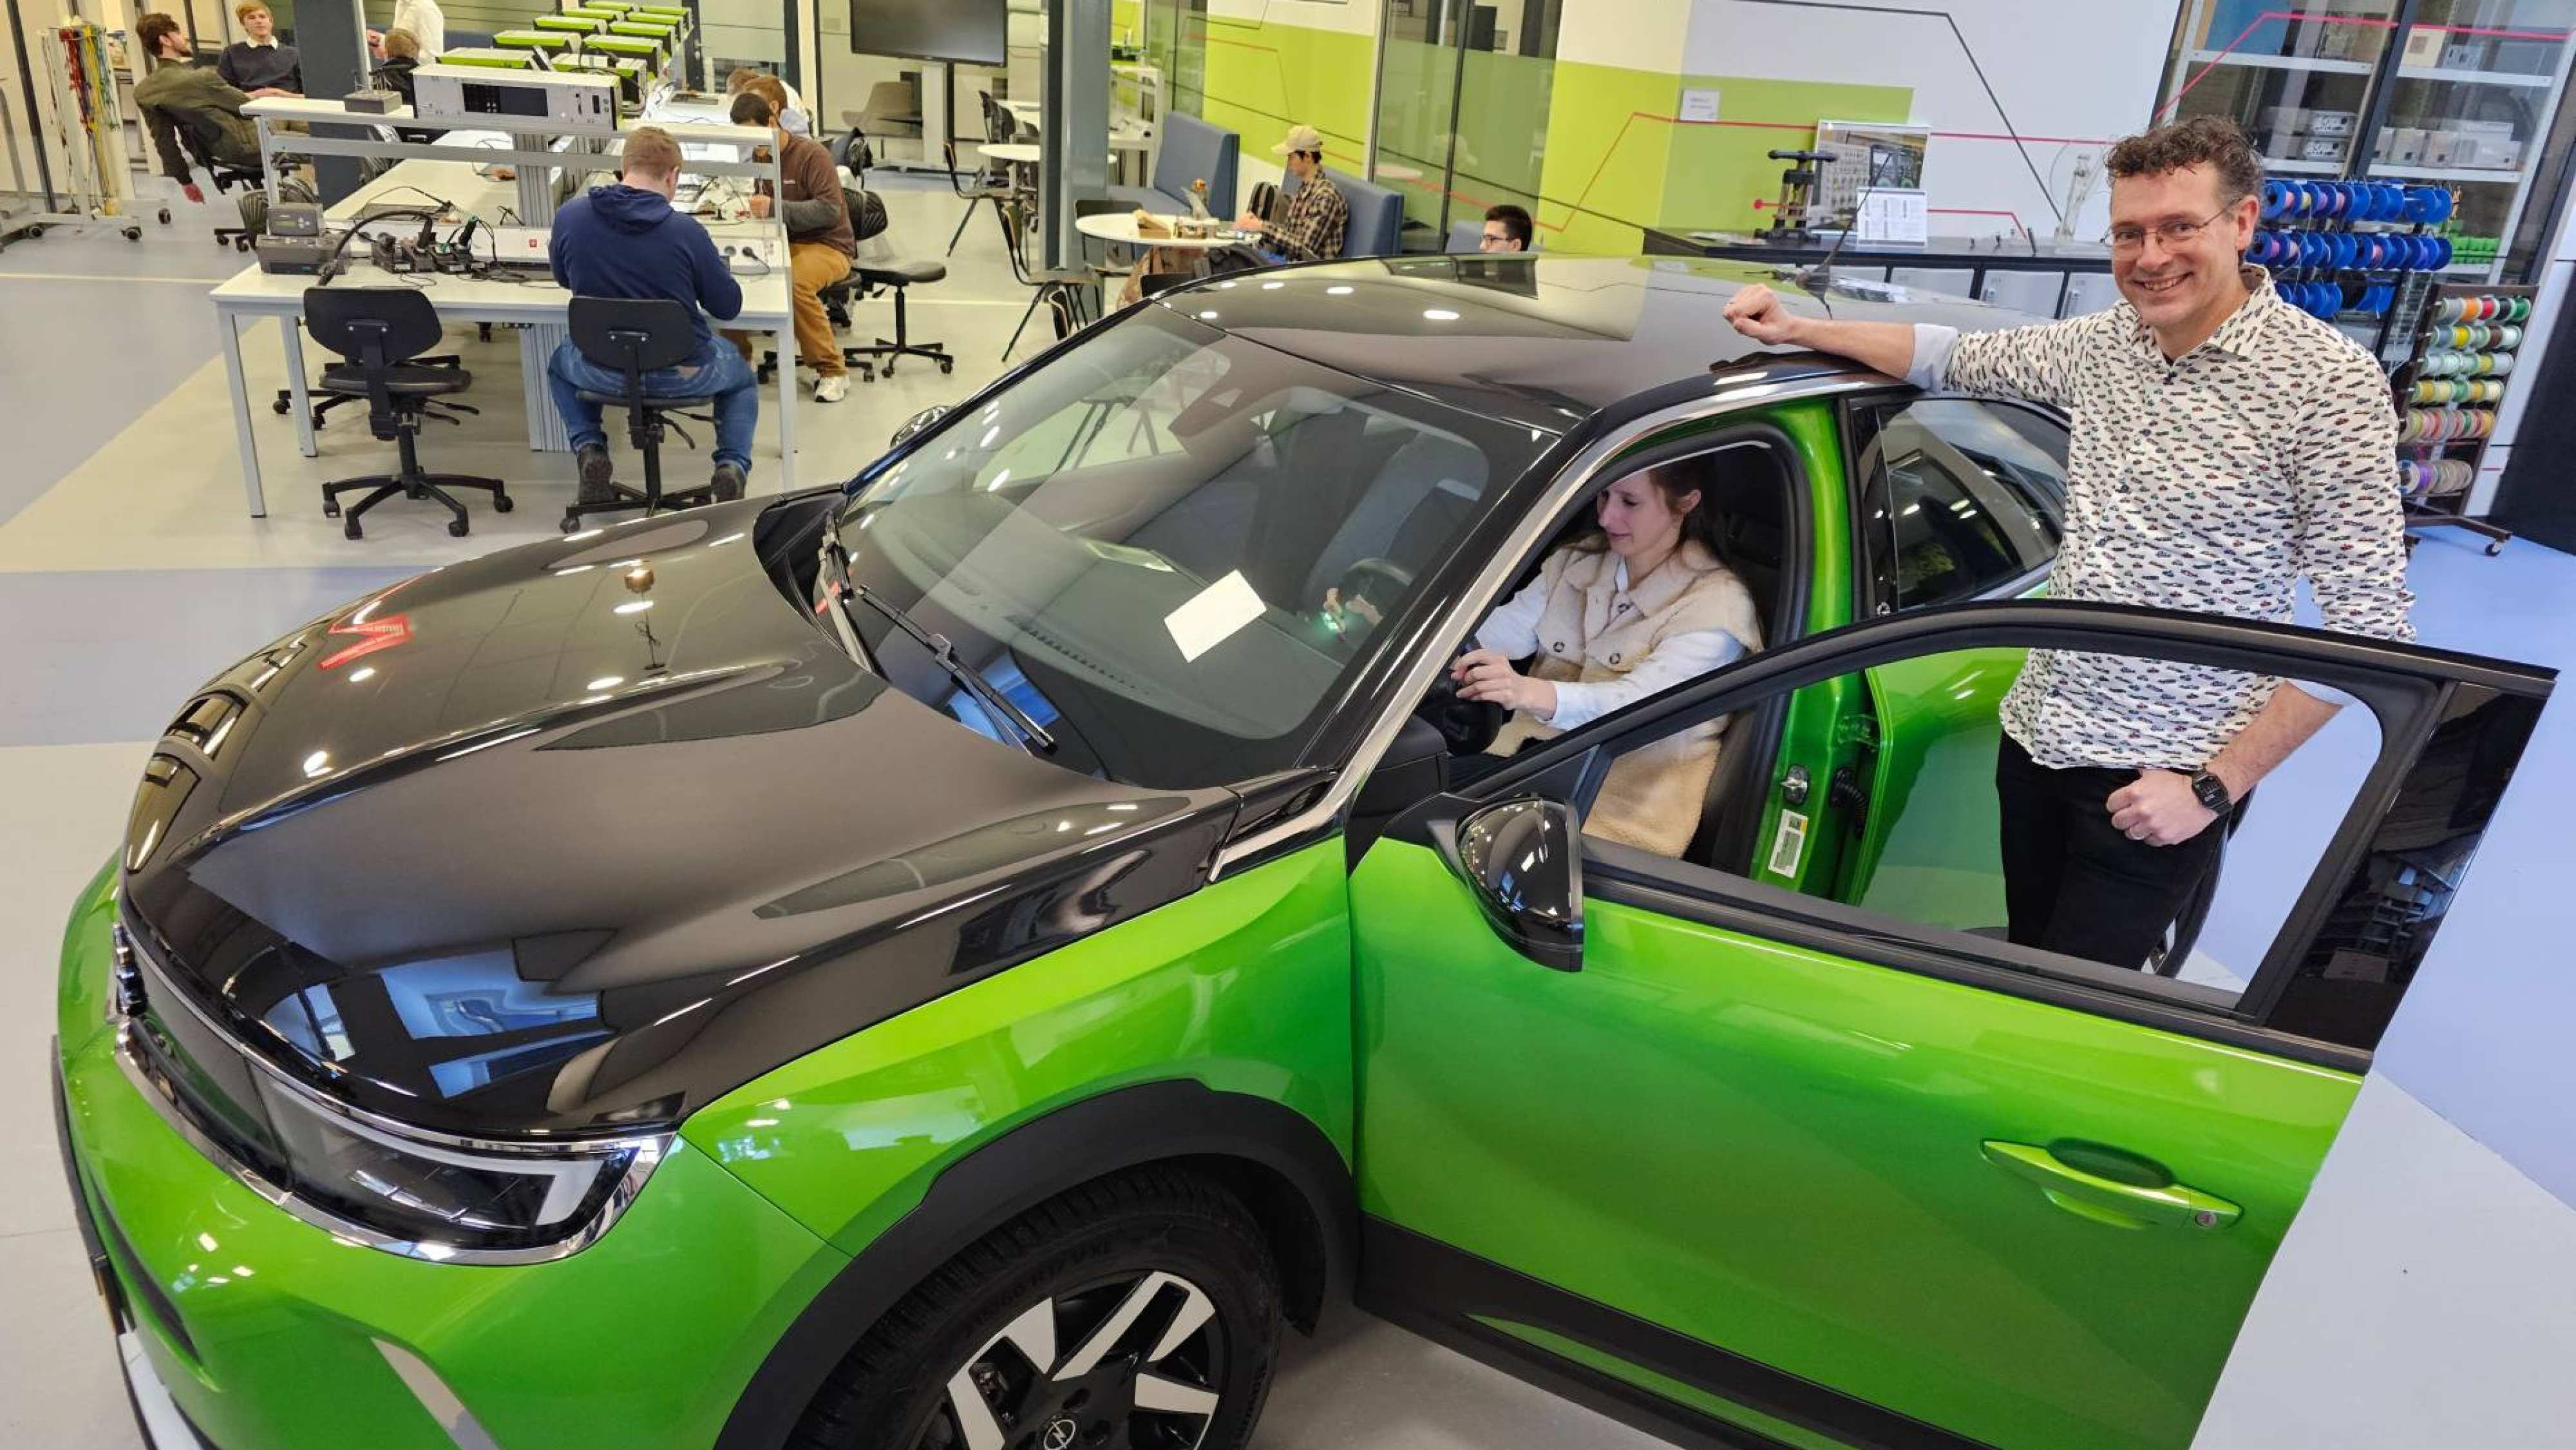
[2211, 790]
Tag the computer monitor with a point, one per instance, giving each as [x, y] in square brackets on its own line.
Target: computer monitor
[970, 31]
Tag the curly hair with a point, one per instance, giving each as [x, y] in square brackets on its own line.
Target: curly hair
[150, 29]
[2212, 141]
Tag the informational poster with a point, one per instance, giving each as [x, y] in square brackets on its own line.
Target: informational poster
[1894, 218]
[1699, 106]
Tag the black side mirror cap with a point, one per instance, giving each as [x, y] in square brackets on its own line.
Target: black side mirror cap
[1523, 859]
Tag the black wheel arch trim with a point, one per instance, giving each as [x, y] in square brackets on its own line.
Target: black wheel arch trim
[1156, 1122]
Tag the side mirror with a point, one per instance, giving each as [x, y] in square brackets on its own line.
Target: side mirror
[917, 422]
[1523, 861]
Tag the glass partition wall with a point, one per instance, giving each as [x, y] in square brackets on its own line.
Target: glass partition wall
[1462, 108]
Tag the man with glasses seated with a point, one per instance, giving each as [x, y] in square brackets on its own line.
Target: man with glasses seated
[2226, 445]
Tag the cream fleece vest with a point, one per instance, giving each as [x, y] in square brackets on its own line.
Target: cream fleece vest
[1591, 633]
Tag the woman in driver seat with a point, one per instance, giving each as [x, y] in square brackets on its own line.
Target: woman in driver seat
[1635, 606]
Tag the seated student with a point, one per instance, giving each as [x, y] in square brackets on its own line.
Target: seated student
[626, 241]
[820, 240]
[261, 65]
[426, 22]
[402, 57]
[1636, 606]
[1311, 224]
[789, 105]
[1507, 229]
[180, 95]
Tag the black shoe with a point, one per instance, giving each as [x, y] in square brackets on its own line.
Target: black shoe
[595, 474]
[725, 483]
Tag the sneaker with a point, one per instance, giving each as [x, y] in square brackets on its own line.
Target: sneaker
[595, 474]
[725, 483]
[831, 387]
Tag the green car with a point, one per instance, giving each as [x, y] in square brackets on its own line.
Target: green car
[962, 961]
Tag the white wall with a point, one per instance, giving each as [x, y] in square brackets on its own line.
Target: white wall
[2081, 72]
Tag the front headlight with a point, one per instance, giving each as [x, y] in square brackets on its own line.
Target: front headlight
[488, 1203]
[388, 1186]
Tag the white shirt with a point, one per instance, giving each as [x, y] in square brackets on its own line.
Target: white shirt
[795, 122]
[1512, 630]
[427, 24]
[2209, 483]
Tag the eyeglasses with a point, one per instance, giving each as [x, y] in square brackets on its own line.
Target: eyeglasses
[2172, 234]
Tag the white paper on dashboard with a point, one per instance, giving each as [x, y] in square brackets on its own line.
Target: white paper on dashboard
[1213, 614]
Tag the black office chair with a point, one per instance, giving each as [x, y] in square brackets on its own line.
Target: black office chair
[1064, 292]
[381, 331]
[224, 177]
[635, 336]
[870, 276]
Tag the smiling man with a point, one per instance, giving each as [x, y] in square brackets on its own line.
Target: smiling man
[2226, 445]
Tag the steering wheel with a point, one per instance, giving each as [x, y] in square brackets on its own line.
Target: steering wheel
[1468, 725]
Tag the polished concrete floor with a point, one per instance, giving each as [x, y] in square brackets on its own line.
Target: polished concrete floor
[2420, 1300]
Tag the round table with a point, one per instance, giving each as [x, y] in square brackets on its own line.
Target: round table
[1018, 153]
[1120, 227]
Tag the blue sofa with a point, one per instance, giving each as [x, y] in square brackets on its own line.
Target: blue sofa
[1192, 150]
[1377, 215]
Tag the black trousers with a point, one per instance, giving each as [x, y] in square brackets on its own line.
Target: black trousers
[2073, 882]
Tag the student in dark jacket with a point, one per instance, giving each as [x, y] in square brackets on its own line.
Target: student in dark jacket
[261, 65]
[180, 96]
[626, 241]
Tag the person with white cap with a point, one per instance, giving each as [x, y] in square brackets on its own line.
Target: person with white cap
[1311, 223]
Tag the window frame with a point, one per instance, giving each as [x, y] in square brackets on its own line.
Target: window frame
[1872, 590]
[2410, 691]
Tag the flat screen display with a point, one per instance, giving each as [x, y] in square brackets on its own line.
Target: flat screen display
[972, 31]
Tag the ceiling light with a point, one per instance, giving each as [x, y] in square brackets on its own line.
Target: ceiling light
[634, 606]
[1439, 314]
[605, 682]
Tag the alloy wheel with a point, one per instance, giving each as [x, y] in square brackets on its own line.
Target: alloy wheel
[1128, 1363]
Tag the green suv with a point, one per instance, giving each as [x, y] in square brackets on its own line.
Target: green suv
[960, 961]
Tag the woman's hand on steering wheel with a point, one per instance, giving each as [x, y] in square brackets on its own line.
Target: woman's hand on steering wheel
[1487, 676]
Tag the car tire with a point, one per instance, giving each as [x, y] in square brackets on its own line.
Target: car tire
[1153, 1294]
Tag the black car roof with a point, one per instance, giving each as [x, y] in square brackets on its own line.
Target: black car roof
[1540, 340]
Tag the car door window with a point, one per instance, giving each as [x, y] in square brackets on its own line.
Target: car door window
[1961, 497]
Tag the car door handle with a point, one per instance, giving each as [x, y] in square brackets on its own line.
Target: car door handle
[2108, 1200]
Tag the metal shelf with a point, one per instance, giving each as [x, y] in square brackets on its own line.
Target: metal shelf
[2302, 168]
[2477, 77]
[2400, 172]
[2317, 64]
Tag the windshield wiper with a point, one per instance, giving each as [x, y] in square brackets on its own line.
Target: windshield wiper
[844, 589]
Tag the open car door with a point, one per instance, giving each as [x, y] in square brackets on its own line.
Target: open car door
[1767, 1167]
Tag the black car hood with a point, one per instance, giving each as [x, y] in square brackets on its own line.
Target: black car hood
[500, 852]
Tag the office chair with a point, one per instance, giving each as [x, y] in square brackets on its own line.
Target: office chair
[224, 177]
[635, 336]
[987, 184]
[380, 331]
[872, 274]
[1061, 290]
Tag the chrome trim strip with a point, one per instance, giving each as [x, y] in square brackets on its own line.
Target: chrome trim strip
[1570, 482]
[463, 1430]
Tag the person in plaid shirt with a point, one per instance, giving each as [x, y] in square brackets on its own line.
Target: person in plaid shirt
[1311, 223]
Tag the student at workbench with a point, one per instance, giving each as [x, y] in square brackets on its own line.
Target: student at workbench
[819, 241]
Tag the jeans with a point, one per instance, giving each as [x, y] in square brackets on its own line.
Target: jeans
[725, 376]
[2073, 882]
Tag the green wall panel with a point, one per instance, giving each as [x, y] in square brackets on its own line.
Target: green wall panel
[1604, 176]
[1264, 78]
[1715, 173]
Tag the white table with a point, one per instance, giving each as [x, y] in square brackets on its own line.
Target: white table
[1120, 227]
[1018, 153]
[767, 306]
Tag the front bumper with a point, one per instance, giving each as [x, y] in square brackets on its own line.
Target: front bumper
[263, 1332]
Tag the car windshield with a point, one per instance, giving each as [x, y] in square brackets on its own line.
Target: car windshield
[1168, 546]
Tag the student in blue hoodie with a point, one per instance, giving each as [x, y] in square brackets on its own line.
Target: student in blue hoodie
[626, 241]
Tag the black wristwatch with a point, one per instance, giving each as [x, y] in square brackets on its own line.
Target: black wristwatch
[2211, 791]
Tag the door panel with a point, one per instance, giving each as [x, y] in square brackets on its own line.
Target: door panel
[1821, 1119]
[1869, 1176]
[1931, 778]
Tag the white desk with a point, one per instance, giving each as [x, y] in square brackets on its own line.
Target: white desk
[1018, 153]
[766, 307]
[1120, 227]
